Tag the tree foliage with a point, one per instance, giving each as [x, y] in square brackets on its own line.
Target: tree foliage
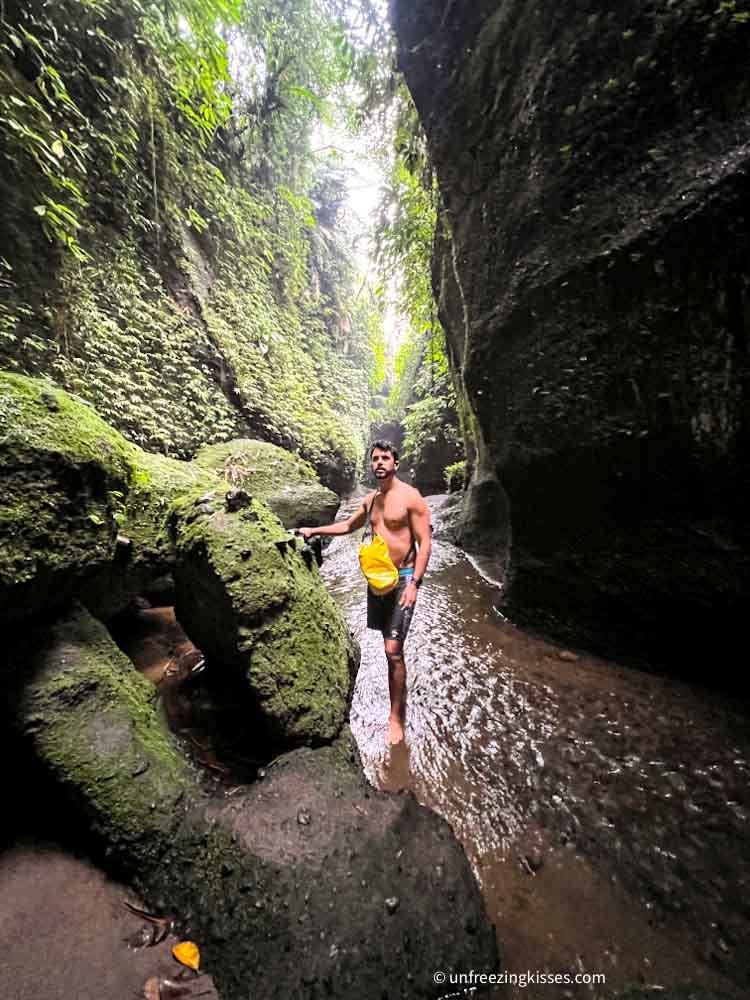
[422, 395]
[63, 104]
[203, 282]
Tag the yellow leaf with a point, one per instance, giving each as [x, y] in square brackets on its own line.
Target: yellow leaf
[187, 953]
[58, 149]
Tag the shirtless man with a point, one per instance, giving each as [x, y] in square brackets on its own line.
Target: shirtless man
[400, 516]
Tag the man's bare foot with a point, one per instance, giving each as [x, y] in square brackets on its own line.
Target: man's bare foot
[395, 732]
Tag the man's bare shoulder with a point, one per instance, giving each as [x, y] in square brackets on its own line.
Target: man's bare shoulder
[413, 497]
[367, 500]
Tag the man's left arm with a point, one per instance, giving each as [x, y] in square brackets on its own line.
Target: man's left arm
[419, 522]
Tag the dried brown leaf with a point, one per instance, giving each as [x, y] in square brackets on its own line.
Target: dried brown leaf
[170, 990]
[161, 933]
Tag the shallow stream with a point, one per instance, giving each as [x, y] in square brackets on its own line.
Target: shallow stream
[604, 809]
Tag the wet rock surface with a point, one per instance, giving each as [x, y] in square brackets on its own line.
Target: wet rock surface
[378, 889]
[590, 271]
[289, 885]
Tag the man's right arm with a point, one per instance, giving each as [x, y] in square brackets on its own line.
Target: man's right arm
[339, 527]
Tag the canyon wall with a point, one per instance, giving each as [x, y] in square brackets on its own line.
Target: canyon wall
[591, 269]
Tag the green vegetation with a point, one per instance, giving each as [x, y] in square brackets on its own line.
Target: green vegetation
[422, 395]
[179, 248]
[455, 477]
[56, 516]
[177, 254]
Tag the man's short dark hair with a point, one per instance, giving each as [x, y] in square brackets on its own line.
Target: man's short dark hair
[384, 446]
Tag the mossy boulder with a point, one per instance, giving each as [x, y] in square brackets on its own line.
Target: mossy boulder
[62, 468]
[307, 883]
[83, 512]
[145, 518]
[252, 602]
[282, 480]
[92, 720]
[86, 514]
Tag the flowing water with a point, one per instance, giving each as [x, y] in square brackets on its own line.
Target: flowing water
[604, 809]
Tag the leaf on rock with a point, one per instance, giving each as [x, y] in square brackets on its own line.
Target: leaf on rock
[188, 954]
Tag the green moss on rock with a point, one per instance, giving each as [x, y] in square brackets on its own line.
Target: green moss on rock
[148, 507]
[69, 485]
[60, 464]
[282, 480]
[86, 514]
[251, 602]
[92, 720]
[144, 517]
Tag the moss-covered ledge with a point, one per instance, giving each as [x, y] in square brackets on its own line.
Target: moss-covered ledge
[283, 481]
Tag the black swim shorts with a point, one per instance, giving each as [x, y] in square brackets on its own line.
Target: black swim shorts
[385, 614]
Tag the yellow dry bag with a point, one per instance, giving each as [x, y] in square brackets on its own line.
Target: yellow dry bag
[377, 565]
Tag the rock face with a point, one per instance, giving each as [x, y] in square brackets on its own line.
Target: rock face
[591, 272]
[251, 602]
[144, 515]
[311, 884]
[190, 337]
[83, 512]
[285, 483]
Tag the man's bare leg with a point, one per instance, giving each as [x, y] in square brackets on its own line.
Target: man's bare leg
[394, 651]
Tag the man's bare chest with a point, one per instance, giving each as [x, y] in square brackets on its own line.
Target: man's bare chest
[391, 514]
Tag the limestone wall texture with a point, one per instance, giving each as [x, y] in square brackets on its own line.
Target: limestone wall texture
[592, 274]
